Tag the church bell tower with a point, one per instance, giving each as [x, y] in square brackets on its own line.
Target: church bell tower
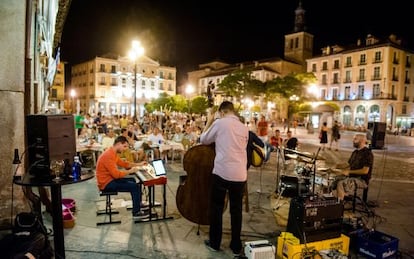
[299, 43]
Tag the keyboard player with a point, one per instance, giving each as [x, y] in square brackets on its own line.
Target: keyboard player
[110, 178]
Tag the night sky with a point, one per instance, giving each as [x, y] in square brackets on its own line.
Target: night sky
[185, 35]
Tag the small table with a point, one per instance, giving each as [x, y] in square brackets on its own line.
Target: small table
[56, 196]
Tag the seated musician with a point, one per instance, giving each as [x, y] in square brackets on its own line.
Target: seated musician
[356, 172]
[290, 143]
[276, 140]
[110, 178]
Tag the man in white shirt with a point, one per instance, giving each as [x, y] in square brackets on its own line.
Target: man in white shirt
[229, 173]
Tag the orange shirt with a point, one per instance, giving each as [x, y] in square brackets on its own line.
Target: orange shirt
[262, 128]
[107, 168]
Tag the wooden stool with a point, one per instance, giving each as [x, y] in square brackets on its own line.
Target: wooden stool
[108, 209]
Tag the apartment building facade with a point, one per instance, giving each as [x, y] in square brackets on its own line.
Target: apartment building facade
[370, 81]
[107, 84]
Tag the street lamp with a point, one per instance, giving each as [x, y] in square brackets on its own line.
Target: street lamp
[189, 90]
[136, 52]
[72, 97]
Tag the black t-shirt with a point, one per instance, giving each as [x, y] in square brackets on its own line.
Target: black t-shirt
[359, 159]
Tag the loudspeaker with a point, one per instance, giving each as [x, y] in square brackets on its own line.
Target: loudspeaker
[49, 137]
[378, 134]
[314, 219]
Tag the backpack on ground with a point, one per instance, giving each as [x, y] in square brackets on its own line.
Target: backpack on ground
[29, 235]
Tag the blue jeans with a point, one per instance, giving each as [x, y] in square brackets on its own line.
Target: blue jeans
[217, 198]
[127, 184]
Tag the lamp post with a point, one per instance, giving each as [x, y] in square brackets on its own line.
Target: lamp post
[72, 97]
[189, 90]
[136, 52]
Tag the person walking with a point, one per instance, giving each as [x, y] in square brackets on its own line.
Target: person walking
[335, 136]
[323, 135]
[230, 136]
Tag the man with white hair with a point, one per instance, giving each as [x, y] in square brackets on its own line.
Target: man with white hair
[357, 172]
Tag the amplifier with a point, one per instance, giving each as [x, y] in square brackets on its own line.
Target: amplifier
[315, 219]
[261, 249]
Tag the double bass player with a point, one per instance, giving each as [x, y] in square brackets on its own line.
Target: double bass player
[229, 173]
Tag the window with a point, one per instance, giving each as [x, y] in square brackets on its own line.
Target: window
[313, 67]
[348, 76]
[377, 74]
[161, 74]
[347, 92]
[324, 80]
[102, 68]
[335, 93]
[377, 56]
[336, 64]
[362, 59]
[54, 93]
[296, 43]
[360, 92]
[348, 62]
[336, 78]
[376, 92]
[323, 93]
[325, 65]
[113, 69]
[362, 74]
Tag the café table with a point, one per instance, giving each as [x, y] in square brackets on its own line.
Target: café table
[30, 180]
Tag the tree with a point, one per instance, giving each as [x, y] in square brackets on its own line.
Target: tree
[239, 84]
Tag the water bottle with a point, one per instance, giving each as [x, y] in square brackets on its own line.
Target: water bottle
[76, 168]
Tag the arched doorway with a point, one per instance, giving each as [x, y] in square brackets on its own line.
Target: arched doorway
[374, 113]
[360, 116]
[346, 119]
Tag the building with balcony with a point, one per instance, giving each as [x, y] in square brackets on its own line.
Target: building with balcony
[57, 90]
[106, 84]
[370, 81]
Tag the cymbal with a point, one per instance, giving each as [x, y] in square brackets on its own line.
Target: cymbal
[305, 154]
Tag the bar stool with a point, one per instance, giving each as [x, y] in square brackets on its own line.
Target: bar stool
[108, 209]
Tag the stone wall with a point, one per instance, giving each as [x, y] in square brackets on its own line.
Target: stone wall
[12, 61]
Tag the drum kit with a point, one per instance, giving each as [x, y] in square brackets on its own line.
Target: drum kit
[305, 179]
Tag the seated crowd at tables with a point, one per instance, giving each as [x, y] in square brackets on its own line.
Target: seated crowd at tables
[150, 138]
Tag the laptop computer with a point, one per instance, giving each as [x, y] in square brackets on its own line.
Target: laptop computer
[159, 168]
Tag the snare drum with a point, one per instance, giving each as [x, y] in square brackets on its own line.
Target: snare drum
[289, 186]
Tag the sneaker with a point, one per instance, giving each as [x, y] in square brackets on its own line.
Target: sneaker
[140, 215]
[207, 243]
[144, 206]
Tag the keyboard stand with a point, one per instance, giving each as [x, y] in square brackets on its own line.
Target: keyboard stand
[154, 215]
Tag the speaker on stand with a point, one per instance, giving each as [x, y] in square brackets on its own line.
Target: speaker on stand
[378, 130]
[49, 137]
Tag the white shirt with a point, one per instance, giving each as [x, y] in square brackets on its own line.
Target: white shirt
[230, 137]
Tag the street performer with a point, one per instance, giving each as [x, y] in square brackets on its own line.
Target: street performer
[355, 173]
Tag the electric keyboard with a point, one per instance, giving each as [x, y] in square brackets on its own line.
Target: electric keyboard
[146, 175]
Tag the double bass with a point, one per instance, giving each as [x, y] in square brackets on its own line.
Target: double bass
[193, 193]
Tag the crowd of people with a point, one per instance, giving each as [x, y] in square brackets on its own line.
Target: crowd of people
[233, 139]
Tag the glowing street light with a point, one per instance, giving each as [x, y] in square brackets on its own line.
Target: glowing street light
[134, 54]
[72, 97]
[189, 90]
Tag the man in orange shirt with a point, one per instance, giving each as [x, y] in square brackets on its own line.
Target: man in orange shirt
[110, 178]
[262, 129]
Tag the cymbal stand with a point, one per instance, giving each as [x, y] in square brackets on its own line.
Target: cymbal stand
[280, 158]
